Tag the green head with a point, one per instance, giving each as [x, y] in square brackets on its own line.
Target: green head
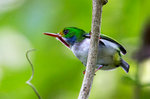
[73, 34]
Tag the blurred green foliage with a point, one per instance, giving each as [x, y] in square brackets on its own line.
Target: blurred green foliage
[58, 73]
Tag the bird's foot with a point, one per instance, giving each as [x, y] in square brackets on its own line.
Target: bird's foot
[84, 72]
[99, 67]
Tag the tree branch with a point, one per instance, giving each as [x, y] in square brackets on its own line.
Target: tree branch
[93, 50]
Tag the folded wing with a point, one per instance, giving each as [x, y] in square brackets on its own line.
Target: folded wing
[114, 43]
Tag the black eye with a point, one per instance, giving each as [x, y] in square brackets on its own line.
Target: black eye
[65, 32]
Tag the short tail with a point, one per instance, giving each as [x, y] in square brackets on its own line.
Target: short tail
[125, 65]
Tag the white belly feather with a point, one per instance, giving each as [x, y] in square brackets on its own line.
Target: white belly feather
[80, 50]
[105, 53]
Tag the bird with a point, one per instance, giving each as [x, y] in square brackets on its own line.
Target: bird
[109, 51]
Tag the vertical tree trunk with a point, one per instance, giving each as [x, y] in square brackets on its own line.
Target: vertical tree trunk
[93, 50]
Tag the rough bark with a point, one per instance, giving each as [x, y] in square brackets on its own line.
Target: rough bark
[93, 50]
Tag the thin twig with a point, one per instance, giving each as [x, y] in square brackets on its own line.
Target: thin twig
[29, 81]
[93, 50]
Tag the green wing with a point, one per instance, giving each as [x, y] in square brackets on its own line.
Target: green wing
[122, 49]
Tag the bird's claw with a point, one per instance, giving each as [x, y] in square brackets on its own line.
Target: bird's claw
[99, 67]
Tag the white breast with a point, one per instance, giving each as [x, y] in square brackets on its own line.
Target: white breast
[105, 53]
[81, 49]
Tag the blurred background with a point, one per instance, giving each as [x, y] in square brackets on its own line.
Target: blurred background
[58, 73]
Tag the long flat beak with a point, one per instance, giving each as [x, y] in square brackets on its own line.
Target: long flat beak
[59, 38]
[52, 34]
